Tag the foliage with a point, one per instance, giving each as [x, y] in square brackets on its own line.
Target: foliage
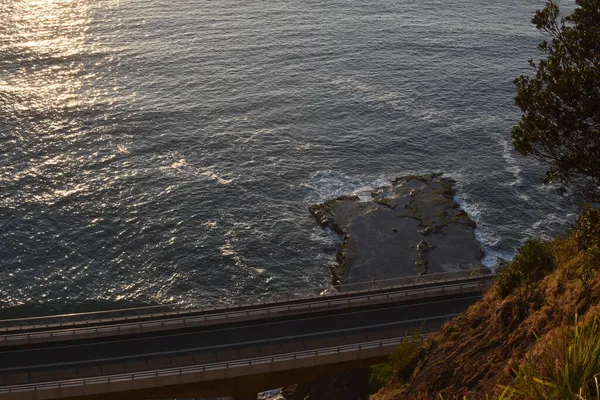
[399, 365]
[560, 124]
[534, 261]
[587, 231]
[505, 395]
[381, 375]
[567, 367]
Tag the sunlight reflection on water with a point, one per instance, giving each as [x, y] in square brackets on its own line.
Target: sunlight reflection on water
[167, 151]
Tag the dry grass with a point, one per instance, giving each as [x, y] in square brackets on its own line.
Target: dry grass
[565, 365]
[490, 343]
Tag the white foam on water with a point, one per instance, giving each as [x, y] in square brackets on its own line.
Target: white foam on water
[524, 197]
[227, 249]
[554, 218]
[255, 136]
[403, 101]
[122, 149]
[326, 237]
[209, 224]
[512, 165]
[490, 253]
[545, 228]
[327, 185]
[484, 233]
[214, 176]
[491, 256]
[175, 163]
[473, 209]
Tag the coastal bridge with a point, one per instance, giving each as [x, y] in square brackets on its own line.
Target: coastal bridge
[236, 350]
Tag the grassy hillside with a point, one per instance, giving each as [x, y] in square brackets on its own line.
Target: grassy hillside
[533, 335]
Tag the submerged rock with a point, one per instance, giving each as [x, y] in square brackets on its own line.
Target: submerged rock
[414, 226]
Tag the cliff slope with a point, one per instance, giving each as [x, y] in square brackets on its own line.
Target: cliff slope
[549, 287]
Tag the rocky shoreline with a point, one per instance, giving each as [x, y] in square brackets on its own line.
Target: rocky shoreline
[413, 226]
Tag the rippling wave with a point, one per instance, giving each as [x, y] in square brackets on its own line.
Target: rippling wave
[158, 152]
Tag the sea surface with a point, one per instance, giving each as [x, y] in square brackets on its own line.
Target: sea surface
[166, 151]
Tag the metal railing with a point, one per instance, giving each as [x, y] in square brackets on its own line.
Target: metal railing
[247, 362]
[327, 303]
[158, 311]
[416, 279]
[86, 315]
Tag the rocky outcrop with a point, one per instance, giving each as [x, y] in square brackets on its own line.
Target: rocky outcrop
[414, 226]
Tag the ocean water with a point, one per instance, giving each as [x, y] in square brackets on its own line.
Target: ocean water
[157, 151]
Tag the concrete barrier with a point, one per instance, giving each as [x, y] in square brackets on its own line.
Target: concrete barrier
[203, 377]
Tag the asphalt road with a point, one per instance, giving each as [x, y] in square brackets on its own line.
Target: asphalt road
[226, 342]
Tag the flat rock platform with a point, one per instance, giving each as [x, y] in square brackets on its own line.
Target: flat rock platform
[413, 226]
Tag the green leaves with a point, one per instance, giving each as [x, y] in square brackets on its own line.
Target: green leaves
[566, 367]
[546, 18]
[560, 104]
[534, 261]
[587, 230]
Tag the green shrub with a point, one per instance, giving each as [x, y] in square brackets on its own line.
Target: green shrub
[587, 230]
[534, 261]
[399, 365]
[381, 375]
[567, 367]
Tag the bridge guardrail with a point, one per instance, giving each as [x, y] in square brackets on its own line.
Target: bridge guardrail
[205, 367]
[233, 316]
[15, 325]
